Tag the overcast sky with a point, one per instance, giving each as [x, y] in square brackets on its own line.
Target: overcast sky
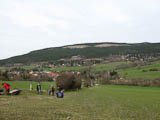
[27, 25]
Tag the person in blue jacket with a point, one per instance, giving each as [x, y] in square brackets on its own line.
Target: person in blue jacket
[60, 94]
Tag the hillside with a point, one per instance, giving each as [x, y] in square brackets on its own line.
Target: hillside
[88, 50]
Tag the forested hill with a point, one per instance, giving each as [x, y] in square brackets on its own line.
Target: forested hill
[89, 50]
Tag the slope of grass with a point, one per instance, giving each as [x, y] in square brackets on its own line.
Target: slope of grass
[96, 103]
[29, 67]
[74, 68]
[108, 66]
[137, 72]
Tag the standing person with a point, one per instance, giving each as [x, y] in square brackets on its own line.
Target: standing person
[30, 87]
[38, 88]
[51, 91]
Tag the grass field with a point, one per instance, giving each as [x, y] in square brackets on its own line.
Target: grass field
[29, 67]
[137, 72]
[95, 103]
[109, 66]
[74, 68]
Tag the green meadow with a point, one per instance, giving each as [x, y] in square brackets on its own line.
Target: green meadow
[138, 72]
[74, 68]
[103, 102]
[107, 66]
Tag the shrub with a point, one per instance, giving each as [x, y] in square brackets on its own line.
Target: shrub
[88, 78]
[68, 81]
[144, 70]
[105, 77]
[153, 69]
[113, 73]
[156, 82]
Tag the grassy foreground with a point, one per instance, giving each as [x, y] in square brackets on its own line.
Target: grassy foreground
[95, 103]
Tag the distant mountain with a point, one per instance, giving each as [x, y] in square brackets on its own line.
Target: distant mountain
[88, 50]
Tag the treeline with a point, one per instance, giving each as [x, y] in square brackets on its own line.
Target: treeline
[53, 54]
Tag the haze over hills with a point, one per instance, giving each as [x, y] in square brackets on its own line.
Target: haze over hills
[87, 50]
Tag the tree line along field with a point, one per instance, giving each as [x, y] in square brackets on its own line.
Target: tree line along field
[103, 102]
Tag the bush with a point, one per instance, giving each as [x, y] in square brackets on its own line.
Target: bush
[69, 81]
[156, 82]
[88, 78]
[153, 69]
[144, 70]
[105, 77]
[113, 73]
